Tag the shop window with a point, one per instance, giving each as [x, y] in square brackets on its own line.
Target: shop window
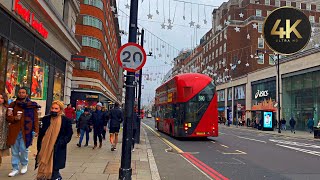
[92, 21]
[3, 61]
[96, 3]
[58, 86]
[39, 83]
[18, 71]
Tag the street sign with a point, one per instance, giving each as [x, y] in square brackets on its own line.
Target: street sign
[131, 57]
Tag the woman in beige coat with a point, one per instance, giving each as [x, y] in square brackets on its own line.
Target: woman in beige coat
[4, 149]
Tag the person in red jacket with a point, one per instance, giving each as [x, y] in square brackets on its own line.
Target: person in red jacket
[70, 113]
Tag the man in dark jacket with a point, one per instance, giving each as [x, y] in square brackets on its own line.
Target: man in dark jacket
[116, 118]
[83, 125]
[292, 123]
[98, 122]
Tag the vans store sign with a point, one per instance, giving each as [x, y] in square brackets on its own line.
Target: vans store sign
[260, 94]
[28, 16]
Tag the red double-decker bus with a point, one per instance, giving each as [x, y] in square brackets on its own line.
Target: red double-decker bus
[186, 106]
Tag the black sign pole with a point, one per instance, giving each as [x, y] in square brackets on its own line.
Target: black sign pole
[137, 138]
[278, 86]
[125, 170]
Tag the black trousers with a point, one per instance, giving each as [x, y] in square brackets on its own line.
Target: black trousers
[96, 135]
[56, 175]
[104, 134]
[134, 131]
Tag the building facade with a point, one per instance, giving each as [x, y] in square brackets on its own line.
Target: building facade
[99, 77]
[37, 40]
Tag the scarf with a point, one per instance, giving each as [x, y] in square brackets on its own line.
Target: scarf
[45, 158]
[29, 116]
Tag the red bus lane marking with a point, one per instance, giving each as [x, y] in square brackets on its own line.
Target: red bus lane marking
[213, 173]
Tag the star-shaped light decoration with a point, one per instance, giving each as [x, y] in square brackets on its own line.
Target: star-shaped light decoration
[126, 33]
[113, 9]
[215, 74]
[219, 28]
[205, 21]
[116, 15]
[255, 26]
[160, 55]
[311, 40]
[149, 16]
[227, 23]
[163, 26]
[169, 26]
[157, 49]
[198, 26]
[226, 69]
[241, 15]
[157, 11]
[252, 56]
[239, 61]
[184, 17]
[247, 64]
[191, 23]
[169, 21]
[127, 6]
[237, 29]
[248, 36]
[162, 46]
[168, 55]
[145, 41]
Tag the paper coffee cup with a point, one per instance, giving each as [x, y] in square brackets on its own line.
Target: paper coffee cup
[19, 113]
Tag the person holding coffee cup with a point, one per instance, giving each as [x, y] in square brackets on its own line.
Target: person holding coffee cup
[22, 115]
[4, 149]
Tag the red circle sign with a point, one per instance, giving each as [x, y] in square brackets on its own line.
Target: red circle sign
[131, 57]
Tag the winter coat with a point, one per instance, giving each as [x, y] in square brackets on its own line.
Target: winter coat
[116, 117]
[78, 114]
[83, 122]
[70, 113]
[310, 123]
[60, 147]
[98, 120]
[29, 121]
[135, 121]
[292, 122]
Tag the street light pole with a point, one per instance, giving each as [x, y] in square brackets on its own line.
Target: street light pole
[137, 138]
[125, 170]
[279, 107]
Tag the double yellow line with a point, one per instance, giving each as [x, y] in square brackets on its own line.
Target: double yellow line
[164, 139]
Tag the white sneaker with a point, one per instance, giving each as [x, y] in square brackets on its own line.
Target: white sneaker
[133, 150]
[24, 169]
[13, 173]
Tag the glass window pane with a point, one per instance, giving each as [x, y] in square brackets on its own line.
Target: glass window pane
[3, 61]
[58, 86]
[18, 70]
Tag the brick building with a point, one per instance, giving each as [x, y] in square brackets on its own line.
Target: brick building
[99, 78]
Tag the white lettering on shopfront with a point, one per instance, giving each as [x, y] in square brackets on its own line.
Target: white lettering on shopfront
[261, 94]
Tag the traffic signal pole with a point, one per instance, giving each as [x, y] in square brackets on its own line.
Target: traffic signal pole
[137, 138]
[125, 170]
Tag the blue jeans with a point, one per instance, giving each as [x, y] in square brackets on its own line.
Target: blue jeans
[82, 131]
[19, 153]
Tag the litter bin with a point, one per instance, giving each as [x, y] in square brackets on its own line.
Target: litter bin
[316, 132]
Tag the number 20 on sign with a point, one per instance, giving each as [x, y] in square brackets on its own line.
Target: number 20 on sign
[131, 57]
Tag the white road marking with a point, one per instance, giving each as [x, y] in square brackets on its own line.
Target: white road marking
[239, 161]
[316, 153]
[224, 146]
[292, 143]
[252, 139]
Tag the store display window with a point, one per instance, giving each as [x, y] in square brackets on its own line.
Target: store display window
[3, 61]
[58, 87]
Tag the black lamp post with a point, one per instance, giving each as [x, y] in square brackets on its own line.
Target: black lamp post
[278, 85]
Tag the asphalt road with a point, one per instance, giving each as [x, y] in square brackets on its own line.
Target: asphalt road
[236, 154]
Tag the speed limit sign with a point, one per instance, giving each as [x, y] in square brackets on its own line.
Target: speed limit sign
[131, 57]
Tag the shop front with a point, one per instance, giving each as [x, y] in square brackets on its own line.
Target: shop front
[26, 61]
[263, 99]
[88, 99]
[221, 106]
[301, 97]
[230, 115]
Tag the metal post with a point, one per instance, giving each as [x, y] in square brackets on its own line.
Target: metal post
[125, 170]
[237, 116]
[137, 138]
[278, 86]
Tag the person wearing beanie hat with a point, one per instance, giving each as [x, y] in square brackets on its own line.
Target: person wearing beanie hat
[84, 126]
[98, 122]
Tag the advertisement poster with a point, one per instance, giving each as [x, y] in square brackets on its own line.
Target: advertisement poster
[267, 120]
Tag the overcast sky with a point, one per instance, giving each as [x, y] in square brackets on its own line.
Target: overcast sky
[182, 36]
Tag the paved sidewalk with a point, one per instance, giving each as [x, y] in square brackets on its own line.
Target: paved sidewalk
[298, 134]
[100, 164]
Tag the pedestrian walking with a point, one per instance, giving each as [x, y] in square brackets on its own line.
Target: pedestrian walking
[70, 113]
[292, 123]
[116, 118]
[283, 124]
[134, 126]
[98, 122]
[104, 130]
[83, 124]
[310, 124]
[55, 133]
[23, 118]
[4, 149]
[79, 111]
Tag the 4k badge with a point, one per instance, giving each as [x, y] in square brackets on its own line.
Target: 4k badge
[287, 30]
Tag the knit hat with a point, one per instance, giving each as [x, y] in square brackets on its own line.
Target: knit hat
[86, 110]
[99, 104]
